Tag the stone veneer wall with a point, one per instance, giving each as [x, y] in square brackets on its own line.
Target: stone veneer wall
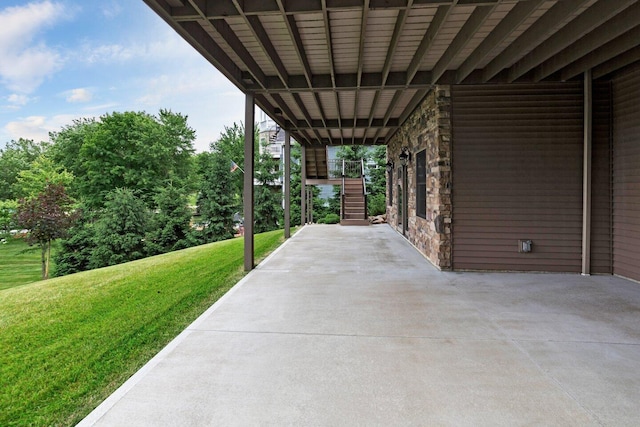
[429, 127]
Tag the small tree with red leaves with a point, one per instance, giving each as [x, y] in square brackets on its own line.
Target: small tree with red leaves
[47, 216]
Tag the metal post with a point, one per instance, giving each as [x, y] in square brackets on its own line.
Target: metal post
[248, 202]
[303, 184]
[586, 173]
[310, 205]
[286, 184]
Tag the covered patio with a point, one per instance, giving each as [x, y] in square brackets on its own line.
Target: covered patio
[510, 125]
[381, 337]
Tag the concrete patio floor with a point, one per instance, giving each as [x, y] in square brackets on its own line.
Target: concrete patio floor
[352, 326]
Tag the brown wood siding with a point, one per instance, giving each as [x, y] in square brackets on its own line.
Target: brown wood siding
[601, 250]
[517, 174]
[626, 173]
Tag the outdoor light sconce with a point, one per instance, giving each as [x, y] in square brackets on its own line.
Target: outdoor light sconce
[389, 166]
[405, 156]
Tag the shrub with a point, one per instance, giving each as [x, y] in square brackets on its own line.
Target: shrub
[377, 205]
[330, 218]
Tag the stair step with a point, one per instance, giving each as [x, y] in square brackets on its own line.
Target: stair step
[354, 222]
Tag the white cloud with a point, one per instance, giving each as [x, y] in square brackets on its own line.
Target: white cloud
[79, 95]
[33, 127]
[38, 127]
[18, 99]
[111, 9]
[106, 53]
[203, 94]
[158, 44]
[25, 63]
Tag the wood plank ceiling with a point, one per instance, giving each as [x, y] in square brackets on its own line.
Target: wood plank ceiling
[351, 71]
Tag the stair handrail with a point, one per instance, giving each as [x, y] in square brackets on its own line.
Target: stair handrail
[343, 176]
[364, 180]
[364, 188]
[342, 210]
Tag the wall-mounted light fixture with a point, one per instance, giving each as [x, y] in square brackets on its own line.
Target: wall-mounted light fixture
[389, 166]
[405, 156]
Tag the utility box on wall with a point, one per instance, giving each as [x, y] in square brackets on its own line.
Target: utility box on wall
[525, 246]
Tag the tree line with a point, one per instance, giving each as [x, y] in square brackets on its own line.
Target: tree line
[130, 185]
[126, 186]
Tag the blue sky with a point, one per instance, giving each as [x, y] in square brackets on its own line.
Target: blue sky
[65, 59]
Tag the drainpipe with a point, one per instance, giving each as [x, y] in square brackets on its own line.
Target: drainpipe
[286, 184]
[248, 202]
[586, 174]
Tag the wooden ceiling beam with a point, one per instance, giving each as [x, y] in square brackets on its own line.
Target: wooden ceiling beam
[603, 54]
[620, 61]
[427, 40]
[533, 36]
[615, 27]
[583, 24]
[346, 122]
[218, 9]
[500, 33]
[209, 49]
[464, 36]
[392, 104]
[229, 36]
[363, 30]
[327, 32]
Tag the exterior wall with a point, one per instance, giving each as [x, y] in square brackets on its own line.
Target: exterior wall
[626, 175]
[517, 175]
[601, 226]
[429, 127]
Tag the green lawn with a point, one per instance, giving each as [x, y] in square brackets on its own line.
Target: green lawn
[68, 342]
[19, 263]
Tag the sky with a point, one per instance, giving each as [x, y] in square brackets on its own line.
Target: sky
[62, 60]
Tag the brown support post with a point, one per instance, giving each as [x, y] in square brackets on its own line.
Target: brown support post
[586, 174]
[286, 184]
[249, 152]
[303, 185]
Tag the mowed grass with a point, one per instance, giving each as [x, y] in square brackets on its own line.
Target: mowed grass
[19, 263]
[68, 342]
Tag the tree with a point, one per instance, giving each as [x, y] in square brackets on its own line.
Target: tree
[7, 212]
[126, 150]
[353, 153]
[377, 185]
[216, 201]
[171, 224]
[47, 216]
[120, 230]
[14, 158]
[230, 144]
[296, 187]
[41, 171]
[74, 251]
[267, 196]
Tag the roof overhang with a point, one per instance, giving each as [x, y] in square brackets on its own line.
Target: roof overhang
[352, 71]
